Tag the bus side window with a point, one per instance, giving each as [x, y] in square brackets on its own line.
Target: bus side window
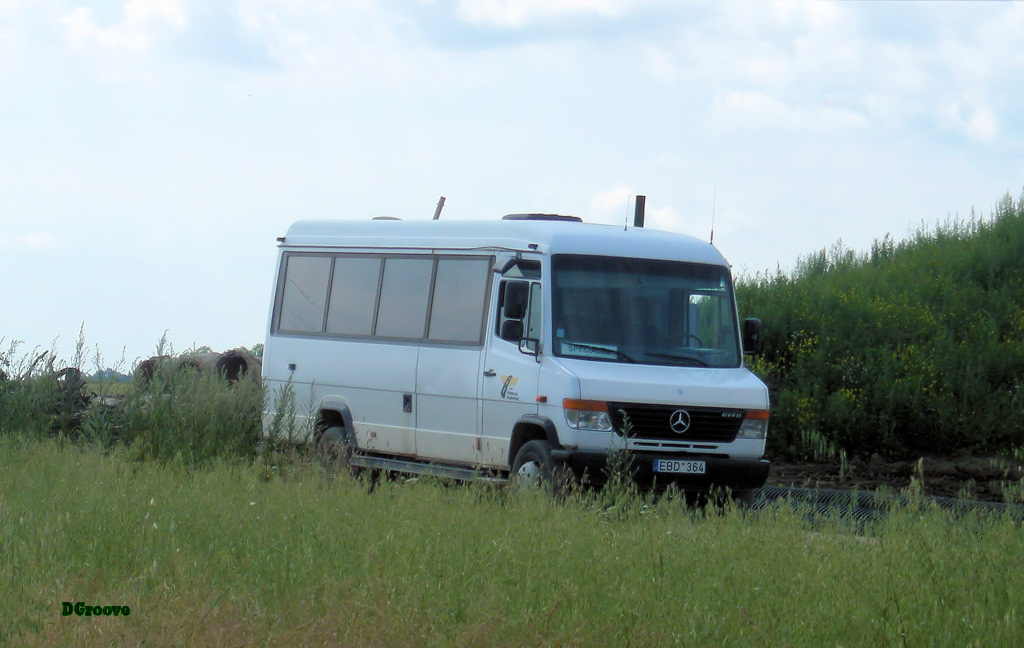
[457, 312]
[404, 297]
[304, 293]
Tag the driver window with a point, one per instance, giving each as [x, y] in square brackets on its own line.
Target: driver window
[519, 311]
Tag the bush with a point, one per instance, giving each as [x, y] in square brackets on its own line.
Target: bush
[179, 412]
[914, 347]
[189, 415]
[38, 395]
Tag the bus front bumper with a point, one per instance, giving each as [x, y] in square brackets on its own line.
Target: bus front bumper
[688, 472]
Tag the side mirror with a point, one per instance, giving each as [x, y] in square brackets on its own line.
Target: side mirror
[752, 336]
[511, 330]
[530, 346]
[517, 294]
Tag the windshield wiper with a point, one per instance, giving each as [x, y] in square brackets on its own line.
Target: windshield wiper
[674, 356]
[596, 347]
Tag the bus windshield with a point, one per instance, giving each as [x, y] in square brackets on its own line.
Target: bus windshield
[645, 311]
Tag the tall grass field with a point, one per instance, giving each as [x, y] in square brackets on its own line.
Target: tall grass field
[232, 553]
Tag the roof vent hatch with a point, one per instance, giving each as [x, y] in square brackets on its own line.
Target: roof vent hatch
[542, 217]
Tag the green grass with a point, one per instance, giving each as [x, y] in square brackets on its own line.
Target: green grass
[232, 553]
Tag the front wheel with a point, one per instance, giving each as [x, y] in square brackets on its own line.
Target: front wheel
[744, 499]
[534, 468]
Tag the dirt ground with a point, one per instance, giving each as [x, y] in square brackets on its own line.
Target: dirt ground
[980, 479]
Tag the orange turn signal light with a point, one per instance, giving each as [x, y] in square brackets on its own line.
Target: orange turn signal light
[584, 405]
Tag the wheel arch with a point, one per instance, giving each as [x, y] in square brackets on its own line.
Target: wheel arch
[529, 428]
[333, 412]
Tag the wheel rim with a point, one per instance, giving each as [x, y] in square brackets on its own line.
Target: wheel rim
[529, 475]
[334, 452]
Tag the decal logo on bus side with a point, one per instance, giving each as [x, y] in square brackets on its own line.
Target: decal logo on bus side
[507, 383]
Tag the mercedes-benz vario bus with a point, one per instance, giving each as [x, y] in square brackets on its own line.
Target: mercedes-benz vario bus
[515, 348]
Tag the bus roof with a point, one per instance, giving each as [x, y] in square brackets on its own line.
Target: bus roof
[547, 237]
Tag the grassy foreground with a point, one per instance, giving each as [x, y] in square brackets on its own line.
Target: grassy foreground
[234, 554]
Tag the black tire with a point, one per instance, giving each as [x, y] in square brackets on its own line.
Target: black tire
[744, 499]
[72, 399]
[70, 379]
[334, 450]
[534, 468]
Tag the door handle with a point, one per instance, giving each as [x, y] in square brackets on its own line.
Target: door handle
[490, 373]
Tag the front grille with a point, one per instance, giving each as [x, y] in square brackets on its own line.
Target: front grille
[652, 422]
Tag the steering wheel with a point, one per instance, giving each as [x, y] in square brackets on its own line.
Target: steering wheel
[687, 336]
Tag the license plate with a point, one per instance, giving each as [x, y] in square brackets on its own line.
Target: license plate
[680, 466]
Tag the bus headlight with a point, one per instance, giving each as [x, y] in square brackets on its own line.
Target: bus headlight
[587, 415]
[755, 425]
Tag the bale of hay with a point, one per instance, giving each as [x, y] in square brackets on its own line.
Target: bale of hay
[232, 365]
[147, 369]
[165, 366]
[237, 364]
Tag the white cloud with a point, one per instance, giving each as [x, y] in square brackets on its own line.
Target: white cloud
[982, 126]
[659, 64]
[761, 111]
[806, 15]
[517, 13]
[966, 117]
[662, 218]
[612, 200]
[32, 241]
[140, 22]
[756, 109]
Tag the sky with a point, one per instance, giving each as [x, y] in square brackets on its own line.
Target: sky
[152, 150]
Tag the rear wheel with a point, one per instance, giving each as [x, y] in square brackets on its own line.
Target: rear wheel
[334, 450]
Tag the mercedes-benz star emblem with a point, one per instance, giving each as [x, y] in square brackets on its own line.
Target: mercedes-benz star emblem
[679, 421]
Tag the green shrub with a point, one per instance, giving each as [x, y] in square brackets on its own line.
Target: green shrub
[38, 394]
[181, 412]
[914, 347]
[188, 414]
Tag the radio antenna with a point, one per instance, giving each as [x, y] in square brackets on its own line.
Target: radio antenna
[714, 203]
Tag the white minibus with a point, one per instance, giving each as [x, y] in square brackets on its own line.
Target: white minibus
[515, 348]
